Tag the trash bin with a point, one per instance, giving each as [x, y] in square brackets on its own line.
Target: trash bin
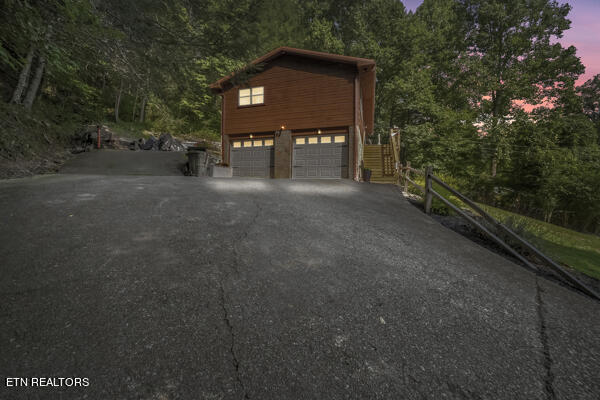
[197, 160]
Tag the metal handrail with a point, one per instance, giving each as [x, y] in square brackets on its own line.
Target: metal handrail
[429, 192]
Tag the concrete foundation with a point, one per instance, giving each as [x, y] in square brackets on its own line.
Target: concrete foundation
[217, 171]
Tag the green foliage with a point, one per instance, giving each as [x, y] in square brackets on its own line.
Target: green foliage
[131, 130]
[575, 249]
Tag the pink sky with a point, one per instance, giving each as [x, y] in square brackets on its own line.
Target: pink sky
[584, 33]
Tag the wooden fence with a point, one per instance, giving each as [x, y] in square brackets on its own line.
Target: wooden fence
[429, 193]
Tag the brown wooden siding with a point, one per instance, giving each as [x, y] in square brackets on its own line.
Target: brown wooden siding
[299, 93]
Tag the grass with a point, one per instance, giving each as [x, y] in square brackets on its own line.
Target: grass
[137, 130]
[577, 250]
[132, 130]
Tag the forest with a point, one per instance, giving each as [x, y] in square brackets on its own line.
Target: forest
[454, 76]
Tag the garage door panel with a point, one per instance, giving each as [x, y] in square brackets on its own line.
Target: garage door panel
[312, 172]
[256, 161]
[301, 173]
[326, 173]
[327, 160]
[312, 150]
[327, 151]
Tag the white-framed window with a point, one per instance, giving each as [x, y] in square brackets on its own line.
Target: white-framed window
[251, 96]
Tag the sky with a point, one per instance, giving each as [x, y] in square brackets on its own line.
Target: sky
[584, 33]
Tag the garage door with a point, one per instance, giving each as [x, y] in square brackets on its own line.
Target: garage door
[252, 158]
[320, 157]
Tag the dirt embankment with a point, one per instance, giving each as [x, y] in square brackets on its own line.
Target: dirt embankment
[30, 145]
[22, 167]
[33, 144]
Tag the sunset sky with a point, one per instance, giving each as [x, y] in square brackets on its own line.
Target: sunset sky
[584, 33]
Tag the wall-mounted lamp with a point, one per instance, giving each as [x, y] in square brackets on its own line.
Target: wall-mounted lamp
[318, 131]
[282, 127]
[251, 136]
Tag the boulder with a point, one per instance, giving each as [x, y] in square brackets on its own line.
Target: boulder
[87, 138]
[150, 144]
[166, 142]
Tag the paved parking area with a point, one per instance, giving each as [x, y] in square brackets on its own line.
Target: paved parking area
[178, 287]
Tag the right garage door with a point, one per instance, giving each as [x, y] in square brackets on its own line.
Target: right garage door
[320, 157]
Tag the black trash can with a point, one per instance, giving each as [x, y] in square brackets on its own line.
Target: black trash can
[197, 160]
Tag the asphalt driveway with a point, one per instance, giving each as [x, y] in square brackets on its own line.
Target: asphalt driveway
[199, 288]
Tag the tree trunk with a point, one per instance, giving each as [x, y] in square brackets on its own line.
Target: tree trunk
[118, 102]
[143, 108]
[23, 77]
[35, 83]
[494, 165]
[134, 105]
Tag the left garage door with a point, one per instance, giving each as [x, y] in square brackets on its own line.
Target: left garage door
[253, 157]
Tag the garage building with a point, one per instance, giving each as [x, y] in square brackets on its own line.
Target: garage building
[298, 114]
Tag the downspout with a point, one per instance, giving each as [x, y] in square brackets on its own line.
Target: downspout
[356, 166]
[223, 128]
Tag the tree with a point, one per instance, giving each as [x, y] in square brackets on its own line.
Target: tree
[512, 57]
[23, 77]
[590, 96]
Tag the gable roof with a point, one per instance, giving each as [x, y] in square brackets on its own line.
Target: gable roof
[365, 69]
[280, 51]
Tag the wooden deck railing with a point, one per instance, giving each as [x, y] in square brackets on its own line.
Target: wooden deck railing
[428, 194]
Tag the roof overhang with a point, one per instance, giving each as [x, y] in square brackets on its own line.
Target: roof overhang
[360, 63]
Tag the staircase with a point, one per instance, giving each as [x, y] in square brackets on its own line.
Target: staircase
[379, 158]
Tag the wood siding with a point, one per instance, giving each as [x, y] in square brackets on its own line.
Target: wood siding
[299, 93]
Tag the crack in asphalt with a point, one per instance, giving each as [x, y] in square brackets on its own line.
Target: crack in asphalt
[549, 378]
[243, 236]
[234, 357]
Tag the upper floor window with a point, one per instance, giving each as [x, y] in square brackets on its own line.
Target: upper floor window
[251, 96]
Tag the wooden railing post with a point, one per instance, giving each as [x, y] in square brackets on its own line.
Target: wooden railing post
[428, 194]
[406, 175]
